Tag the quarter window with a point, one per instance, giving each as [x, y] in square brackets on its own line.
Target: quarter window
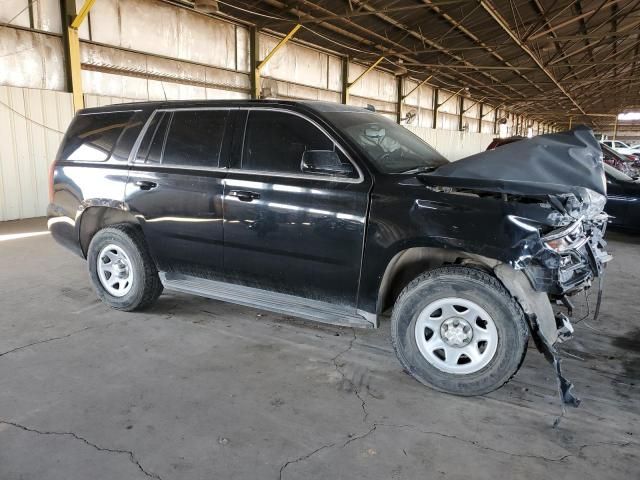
[275, 141]
[92, 137]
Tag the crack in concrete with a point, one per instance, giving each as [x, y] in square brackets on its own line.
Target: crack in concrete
[504, 452]
[45, 341]
[132, 457]
[375, 426]
[302, 458]
[356, 390]
[473, 443]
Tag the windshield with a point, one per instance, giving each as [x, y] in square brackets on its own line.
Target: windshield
[390, 147]
[617, 174]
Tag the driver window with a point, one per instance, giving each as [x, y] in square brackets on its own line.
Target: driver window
[275, 141]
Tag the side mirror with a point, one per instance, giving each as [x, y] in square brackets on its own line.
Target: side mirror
[325, 162]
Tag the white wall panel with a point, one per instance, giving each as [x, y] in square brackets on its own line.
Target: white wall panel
[33, 121]
[294, 63]
[15, 10]
[32, 60]
[105, 22]
[376, 84]
[46, 16]
[453, 145]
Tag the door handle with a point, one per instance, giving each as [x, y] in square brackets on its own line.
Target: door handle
[244, 196]
[146, 185]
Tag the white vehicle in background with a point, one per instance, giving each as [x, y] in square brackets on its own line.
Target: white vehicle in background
[620, 147]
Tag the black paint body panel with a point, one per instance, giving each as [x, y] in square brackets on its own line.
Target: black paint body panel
[324, 240]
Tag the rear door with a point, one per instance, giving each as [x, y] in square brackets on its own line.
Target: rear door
[287, 231]
[175, 188]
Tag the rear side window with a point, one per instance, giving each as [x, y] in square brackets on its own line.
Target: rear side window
[275, 141]
[195, 138]
[92, 137]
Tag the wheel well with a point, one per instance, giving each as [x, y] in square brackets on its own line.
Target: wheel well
[96, 218]
[408, 264]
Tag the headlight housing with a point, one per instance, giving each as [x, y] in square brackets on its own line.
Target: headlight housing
[565, 239]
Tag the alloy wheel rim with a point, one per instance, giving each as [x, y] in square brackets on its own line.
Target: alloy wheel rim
[456, 335]
[115, 270]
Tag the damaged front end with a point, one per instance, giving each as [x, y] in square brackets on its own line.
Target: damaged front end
[551, 193]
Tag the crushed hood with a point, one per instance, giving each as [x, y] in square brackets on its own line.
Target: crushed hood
[552, 164]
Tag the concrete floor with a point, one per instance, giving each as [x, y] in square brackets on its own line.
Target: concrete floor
[197, 389]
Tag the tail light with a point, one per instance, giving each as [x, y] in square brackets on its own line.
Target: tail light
[52, 168]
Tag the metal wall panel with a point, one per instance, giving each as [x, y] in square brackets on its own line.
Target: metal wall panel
[29, 59]
[376, 85]
[295, 63]
[33, 121]
[452, 144]
[16, 11]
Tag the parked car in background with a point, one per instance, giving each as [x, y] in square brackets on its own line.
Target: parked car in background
[625, 163]
[623, 199]
[618, 146]
[337, 214]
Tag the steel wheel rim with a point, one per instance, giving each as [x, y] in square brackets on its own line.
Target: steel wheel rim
[115, 270]
[456, 335]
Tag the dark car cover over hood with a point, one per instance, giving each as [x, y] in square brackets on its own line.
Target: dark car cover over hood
[556, 163]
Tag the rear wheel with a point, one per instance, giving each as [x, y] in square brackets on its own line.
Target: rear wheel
[458, 330]
[121, 269]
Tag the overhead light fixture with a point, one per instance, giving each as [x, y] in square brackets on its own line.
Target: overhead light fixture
[629, 116]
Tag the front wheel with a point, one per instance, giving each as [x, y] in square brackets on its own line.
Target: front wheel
[458, 330]
[121, 269]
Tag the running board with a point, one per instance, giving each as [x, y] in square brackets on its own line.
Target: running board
[267, 300]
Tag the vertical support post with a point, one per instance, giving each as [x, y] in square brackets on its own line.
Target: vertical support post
[570, 122]
[480, 117]
[73, 49]
[254, 73]
[615, 128]
[399, 97]
[495, 121]
[461, 112]
[345, 80]
[72, 20]
[436, 93]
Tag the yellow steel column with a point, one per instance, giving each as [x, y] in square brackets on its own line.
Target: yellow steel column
[255, 81]
[73, 54]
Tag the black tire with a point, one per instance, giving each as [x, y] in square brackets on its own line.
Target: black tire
[146, 286]
[471, 284]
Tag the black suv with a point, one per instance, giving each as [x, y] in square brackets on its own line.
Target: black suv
[336, 214]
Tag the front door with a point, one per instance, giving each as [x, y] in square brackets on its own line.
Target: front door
[175, 189]
[287, 231]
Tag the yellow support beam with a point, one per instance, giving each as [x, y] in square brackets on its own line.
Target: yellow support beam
[280, 44]
[82, 14]
[361, 76]
[73, 54]
[417, 86]
[259, 65]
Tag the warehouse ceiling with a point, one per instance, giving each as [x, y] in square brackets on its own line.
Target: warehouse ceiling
[548, 59]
